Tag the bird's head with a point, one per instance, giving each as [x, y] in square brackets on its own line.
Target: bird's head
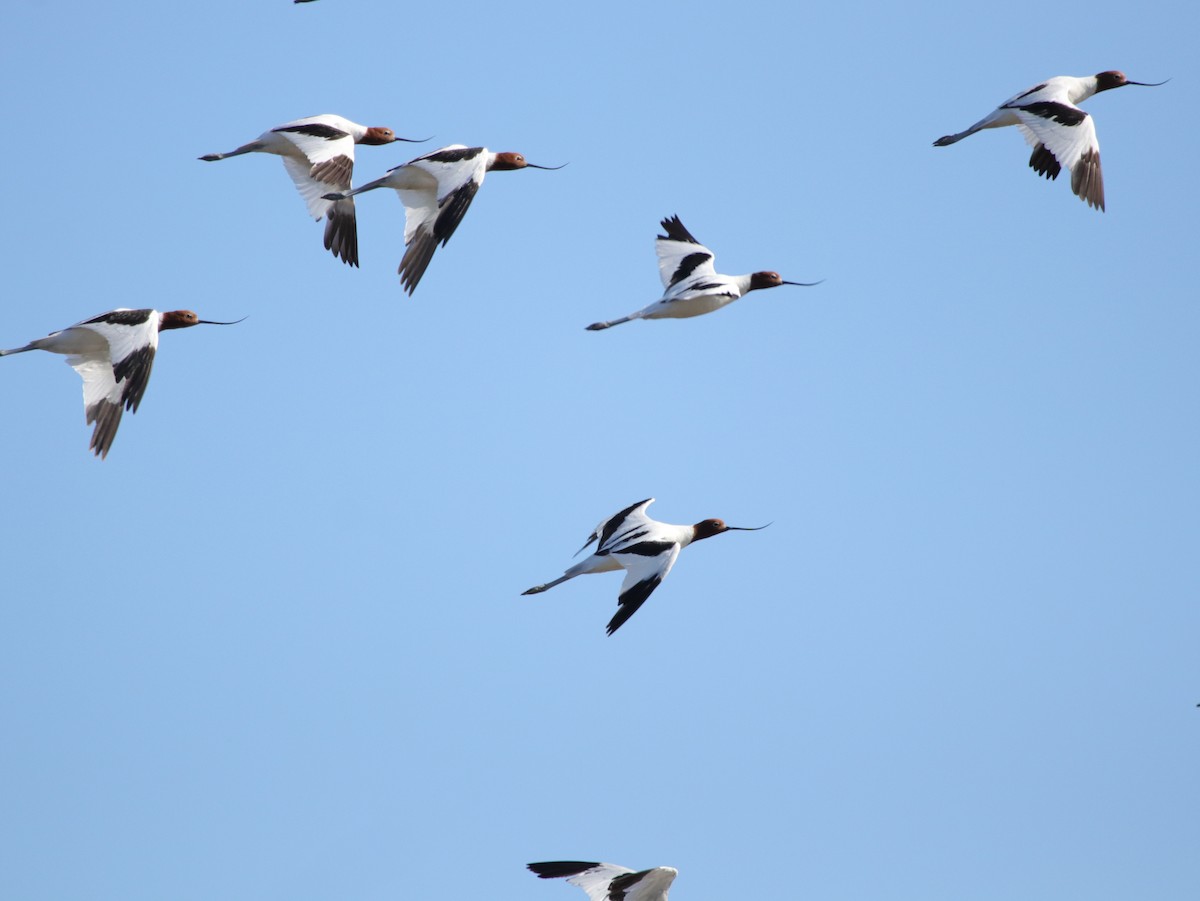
[509, 160]
[1106, 81]
[186, 319]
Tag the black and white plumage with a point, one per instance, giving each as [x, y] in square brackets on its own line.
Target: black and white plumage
[691, 286]
[609, 882]
[113, 353]
[318, 153]
[645, 548]
[436, 190]
[1062, 135]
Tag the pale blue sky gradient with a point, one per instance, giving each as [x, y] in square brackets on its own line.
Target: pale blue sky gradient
[274, 646]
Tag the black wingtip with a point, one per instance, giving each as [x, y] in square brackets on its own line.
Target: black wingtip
[557, 869]
[675, 231]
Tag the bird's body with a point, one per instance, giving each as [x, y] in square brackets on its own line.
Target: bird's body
[1062, 135]
[113, 353]
[691, 286]
[645, 548]
[609, 882]
[318, 153]
[436, 190]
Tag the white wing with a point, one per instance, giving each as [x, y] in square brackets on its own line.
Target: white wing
[326, 161]
[101, 399]
[436, 190]
[609, 882]
[113, 354]
[646, 565]
[681, 256]
[620, 526]
[1069, 134]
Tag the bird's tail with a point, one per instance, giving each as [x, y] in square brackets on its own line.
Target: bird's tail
[599, 326]
[245, 148]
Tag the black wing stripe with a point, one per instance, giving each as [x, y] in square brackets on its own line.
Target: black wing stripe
[1062, 113]
[630, 600]
[453, 207]
[1043, 162]
[558, 869]
[452, 156]
[315, 130]
[134, 370]
[621, 885]
[615, 522]
[646, 548]
[1032, 90]
[688, 265]
[122, 317]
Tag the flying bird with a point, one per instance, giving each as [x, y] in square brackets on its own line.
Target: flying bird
[644, 548]
[1060, 133]
[609, 882]
[436, 190]
[692, 286]
[114, 354]
[318, 153]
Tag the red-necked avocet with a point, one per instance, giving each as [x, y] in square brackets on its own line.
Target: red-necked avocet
[1060, 133]
[609, 882]
[318, 153]
[644, 548]
[436, 190]
[693, 287]
[114, 354]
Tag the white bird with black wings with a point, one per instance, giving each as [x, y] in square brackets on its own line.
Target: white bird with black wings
[692, 286]
[436, 190]
[1060, 133]
[645, 548]
[114, 354]
[609, 882]
[318, 153]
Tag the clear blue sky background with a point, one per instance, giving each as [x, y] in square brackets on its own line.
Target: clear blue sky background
[274, 647]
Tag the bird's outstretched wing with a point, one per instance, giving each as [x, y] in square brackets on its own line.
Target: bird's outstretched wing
[619, 527]
[681, 256]
[646, 564]
[437, 190]
[609, 882]
[1067, 134]
[115, 368]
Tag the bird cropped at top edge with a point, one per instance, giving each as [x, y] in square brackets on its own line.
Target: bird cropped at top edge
[1061, 134]
[645, 548]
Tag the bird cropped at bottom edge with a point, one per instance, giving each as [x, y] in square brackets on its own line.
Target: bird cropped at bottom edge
[609, 882]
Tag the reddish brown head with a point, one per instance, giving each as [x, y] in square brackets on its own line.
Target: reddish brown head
[379, 135]
[1106, 81]
[508, 160]
[710, 527]
[186, 319]
[773, 280]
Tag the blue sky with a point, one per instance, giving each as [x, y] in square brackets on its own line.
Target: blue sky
[274, 646]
